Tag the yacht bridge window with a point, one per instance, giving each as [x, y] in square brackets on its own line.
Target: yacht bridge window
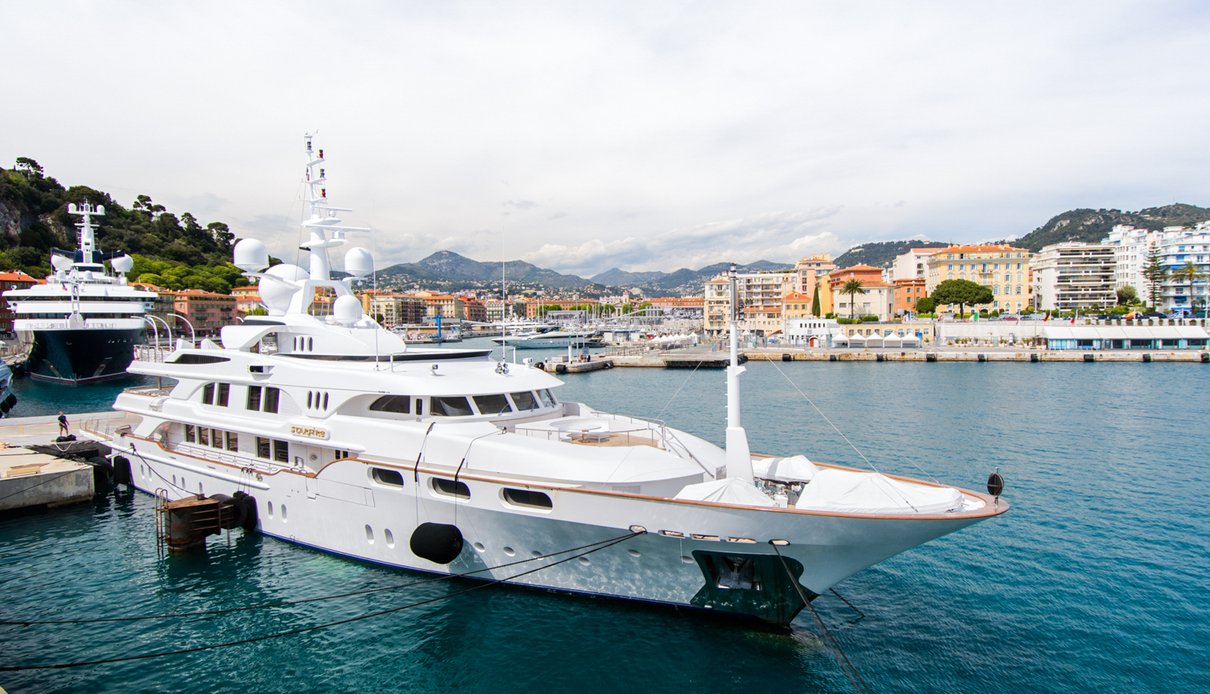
[525, 400]
[400, 404]
[492, 404]
[450, 406]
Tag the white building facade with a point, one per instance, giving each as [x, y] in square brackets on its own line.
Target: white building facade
[1074, 275]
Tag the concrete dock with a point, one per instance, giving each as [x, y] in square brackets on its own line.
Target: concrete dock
[39, 479]
[707, 359]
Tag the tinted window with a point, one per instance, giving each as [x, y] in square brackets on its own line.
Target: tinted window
[281, 451]
[525, 401]
[232, 441]
[208, 393]
[262, 447]
[451, 406]
[190, 433]
[451, 488]
[547, 399]
[492, 404]
[391, 478]
[254, 398]
[224, 390]
[271, 395]
[525, 497]
[401, 404]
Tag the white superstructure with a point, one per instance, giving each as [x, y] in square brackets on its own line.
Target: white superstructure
[343, 438]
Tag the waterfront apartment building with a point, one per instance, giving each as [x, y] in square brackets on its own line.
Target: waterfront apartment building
[797, 305]
[760, 297]
[1074, 275]
[908, 291]
[1131, 246]
[1180, 247]
[247, 300]
[912, 265]
[392, 308]
[1177, 247]
[206, 311]
[811, 272]
[1002, 268]
[877, 297]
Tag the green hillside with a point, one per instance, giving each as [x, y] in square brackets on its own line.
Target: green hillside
[171, 251]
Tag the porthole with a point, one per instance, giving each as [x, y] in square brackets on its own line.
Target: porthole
[284, 517]
[686, 559]
[536, 554]
[510, 551]
[585, 561]
[479, 547]
[369, 535]
[528, 499]
[452, 488]
[634, 553]
[389, 537]
[270, 509]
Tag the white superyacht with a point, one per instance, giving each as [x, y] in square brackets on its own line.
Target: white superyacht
[334, 434]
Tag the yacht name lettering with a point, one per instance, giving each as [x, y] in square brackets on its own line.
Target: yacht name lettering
[309, 432]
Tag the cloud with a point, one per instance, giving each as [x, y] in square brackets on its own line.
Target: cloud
[643, 135]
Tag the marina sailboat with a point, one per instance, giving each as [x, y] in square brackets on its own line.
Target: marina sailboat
[85, 321]
[330, 432]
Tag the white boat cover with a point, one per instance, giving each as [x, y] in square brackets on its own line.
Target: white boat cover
[726, 491]
[796, 468]
[851, 491]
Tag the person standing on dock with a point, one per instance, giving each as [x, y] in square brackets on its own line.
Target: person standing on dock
[64, 429]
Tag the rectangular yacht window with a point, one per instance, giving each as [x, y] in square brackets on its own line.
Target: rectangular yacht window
[548, 400]
[401, 404]
[254, 398]
[216, 438]
[524, 400]
[203, 436]
[492, 404]
[208, 393]
[451, 406]
[224, 390]
[232, 441]
[190, 433]
[271, 396]
[262, 447]
[281, 451]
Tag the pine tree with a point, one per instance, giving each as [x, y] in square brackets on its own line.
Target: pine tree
[1155, 273]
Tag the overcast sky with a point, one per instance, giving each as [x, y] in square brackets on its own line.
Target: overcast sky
[644, 135]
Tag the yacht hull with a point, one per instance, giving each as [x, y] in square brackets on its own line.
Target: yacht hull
[82, 356]
[701, 555]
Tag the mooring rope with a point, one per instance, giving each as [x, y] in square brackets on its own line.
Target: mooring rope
[829, 640]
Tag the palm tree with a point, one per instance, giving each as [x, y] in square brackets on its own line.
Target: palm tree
[852, 288]
[1191, 274]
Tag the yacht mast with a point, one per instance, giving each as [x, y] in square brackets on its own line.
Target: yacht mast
[88, 242]
[739, 456]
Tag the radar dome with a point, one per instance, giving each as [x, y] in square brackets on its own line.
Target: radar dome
[122, 263]
[359, 262]
[347, 309]
[61, 262]
[251, 255]
[278, 286]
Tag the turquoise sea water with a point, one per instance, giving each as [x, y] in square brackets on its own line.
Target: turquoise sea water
[1096, 580]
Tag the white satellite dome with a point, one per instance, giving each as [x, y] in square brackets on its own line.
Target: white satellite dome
[278, 286]
[61, 262]
[122, 263]
[251, 255]
[347, 309]
[359, 262]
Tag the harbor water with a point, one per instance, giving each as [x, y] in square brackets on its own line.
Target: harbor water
[1094, 581]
